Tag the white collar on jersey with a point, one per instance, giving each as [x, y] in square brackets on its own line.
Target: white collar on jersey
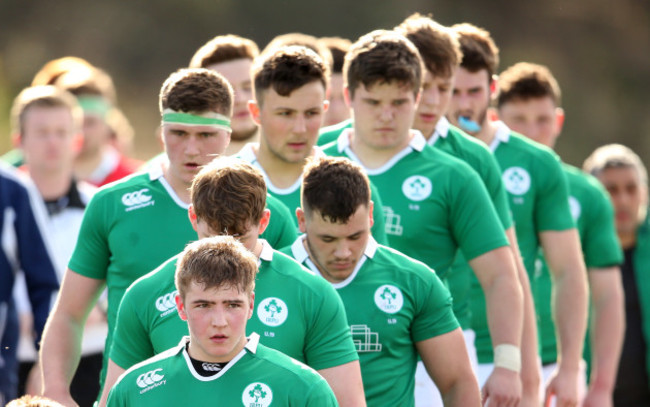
[502, 135]
[267, 251]
[156, 173]
[442, 128]
[247, 153]
[300, 254]
[417, 143]
[251, 346]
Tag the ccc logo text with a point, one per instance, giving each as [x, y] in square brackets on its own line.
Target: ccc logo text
[166, 302]
[136, 198]
[149, 378]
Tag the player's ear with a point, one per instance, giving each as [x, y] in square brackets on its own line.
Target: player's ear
[326, 105]
[264, 221]
[371, 207]
[252, 305]
[193, 219]
[300, 215]
[180, 307]
[346, 97]
[254, 110]
[494, 86]
[559, 119]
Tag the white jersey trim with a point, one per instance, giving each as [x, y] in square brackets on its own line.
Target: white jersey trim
[247, 153]
[156, 173]
[442, 129]
[300, 254]
[251, 346]
[417, 143]
[267, 251]
[502, 135]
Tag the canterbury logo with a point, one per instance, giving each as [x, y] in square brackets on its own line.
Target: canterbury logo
[136, 198]
[211, 367]
[149, 378]
[166, 302]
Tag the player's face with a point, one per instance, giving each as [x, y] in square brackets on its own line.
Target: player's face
[237, 72]
[470, 97]
[338, 110]
[96, 134]
[290, 124]
[383, 115]
[628, 197]
[434, 101]
[190, 147]
[335, 248]
[217, 321]
[48, 138]
[535, 118]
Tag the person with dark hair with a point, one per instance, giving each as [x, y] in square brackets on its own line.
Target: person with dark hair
[397, 307]
[434, 203]
[539, 201]
[215, 279]
[624, 176]
[529, 103]
[232, 56]
[298, 314]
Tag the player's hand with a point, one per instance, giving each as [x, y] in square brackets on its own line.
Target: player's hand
[563, 386]
[598, 398]
[502, 388]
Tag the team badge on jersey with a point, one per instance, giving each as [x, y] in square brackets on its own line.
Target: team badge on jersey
[389, 298]
[272, 311]
[257, 395]
[516, 180]
[166, 304]
[137, 199]
[417, 188]
[575, 207]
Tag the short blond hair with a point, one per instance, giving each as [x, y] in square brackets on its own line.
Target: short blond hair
[46, 96]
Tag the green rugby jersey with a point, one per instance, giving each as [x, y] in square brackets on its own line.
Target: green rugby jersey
[593, 213]
[130, 227]
[392, 302]
[330, 133]
[291, 196]
[257, 377]
[454, 141]
[539, 201]
[433, 204]
[296, 313]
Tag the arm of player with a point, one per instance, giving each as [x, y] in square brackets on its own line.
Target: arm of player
[345, 381]
[607, 331]
[113, 372]
[564, 256]
[61, 347]
[530, 375]
[497, 274]
[446, 360]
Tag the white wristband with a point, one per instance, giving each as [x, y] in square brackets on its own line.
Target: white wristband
[508, 357]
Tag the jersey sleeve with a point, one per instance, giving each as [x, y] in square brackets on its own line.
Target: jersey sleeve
[319, 395]
[473, 219]
[328, 339]
[131, 343]
[600, 244]
[281, 231]
[434, 315]
[117, 396]
[552, 200]
[91, 254]
[378, 229]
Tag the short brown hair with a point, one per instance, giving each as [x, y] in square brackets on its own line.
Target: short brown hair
[47, 96]
[33, 401]
[286, 69]
[197, 90]
[437, 44]
[615, 156]
[88, 82]
[335, 187]
[229, 195]
[338, 48]
[215, 262]
[524, 81]
[303, 40]
[478, 48]
[224, 48]
[382, 57]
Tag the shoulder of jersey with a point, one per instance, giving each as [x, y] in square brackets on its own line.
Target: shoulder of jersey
[287, 265]
[282, 361]
[522, 142]
[467, 140]
[399, 262]
[150, 282]
[151, 363]
[127, 183]
[335, 128]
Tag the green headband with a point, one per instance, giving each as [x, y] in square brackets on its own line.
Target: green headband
[211, 119]
[94, 105]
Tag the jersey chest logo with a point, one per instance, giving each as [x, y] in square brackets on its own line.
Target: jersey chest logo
[516, 180]
[417, 188]
[150, 380]
[166, 304]
[575, 207]
[389, 299]
[137, 199]
[272, 311]
[257, 395]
